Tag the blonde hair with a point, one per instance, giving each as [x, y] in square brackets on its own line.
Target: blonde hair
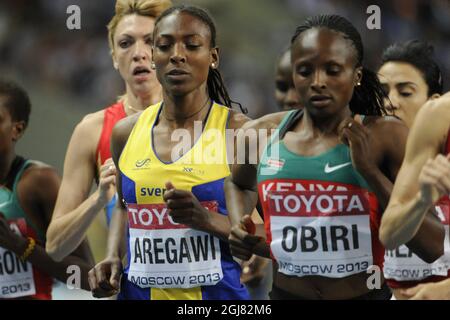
[146, 8]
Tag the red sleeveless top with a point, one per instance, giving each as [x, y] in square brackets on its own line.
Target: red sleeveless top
[113, 114]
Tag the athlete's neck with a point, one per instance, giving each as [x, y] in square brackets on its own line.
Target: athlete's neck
[325, 125]
[5, 167]
[134, 103]
[180, 111]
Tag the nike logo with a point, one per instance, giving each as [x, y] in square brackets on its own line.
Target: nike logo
[329, 169]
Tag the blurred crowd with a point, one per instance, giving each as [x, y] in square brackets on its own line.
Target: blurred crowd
[36, 44]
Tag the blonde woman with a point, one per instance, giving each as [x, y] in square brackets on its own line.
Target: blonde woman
[88, 157]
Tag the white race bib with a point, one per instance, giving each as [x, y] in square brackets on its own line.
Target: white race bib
[16, 277]
[403, 265]
[165, 254]
[324, 233]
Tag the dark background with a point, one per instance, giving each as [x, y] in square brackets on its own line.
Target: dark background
[69, 73]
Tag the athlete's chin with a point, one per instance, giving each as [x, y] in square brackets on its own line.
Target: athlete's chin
[321, 111]
[144, 85]
[179, 89]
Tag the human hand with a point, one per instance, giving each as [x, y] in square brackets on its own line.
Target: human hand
[242, 242]
[356, 136]
[104, 278]
[434, 179]
[185, 208]
[9, 239]
[253, 270]
[107, 181]
[428, 291]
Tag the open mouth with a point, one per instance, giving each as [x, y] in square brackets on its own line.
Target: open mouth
[141, 71]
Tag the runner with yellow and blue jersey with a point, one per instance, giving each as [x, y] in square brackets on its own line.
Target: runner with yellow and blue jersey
[172, 162]
[172, 259]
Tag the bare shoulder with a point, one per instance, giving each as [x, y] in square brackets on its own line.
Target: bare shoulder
[124, 126]
[436, 110]
[269, 121]
[40, 175]
[122, 131]
[92, 121]
[384, 123]
[87, 132]
[237, 120]
[434, 120]
[389, 136]
[39, 181]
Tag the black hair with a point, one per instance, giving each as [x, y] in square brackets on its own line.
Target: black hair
[368, 98]
[420, 55]
[216, 87]
[17, 101]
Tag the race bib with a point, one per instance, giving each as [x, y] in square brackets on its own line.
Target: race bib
[165, 254]
[325, 233]
[16, 277]
[402, 264]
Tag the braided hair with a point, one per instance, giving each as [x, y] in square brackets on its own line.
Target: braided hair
[215, 84]
[368, 98]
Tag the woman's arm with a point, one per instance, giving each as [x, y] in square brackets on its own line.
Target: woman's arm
[390, 149]
[408, 218]
[37, 192]
[241, 196]
[74, 209]
[241, 189]
[429, 291]
[104, 278]
[372, 155]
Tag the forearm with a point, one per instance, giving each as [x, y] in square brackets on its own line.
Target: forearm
[59, 270]
[428, 241]
[218, 225]
[67, 231]
[380, 185]
[116, 236]
[240, 202]
[445, 286]
[401, 222]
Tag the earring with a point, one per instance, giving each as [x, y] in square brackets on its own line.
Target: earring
[358, 84]
[213, 65]
[153, 66]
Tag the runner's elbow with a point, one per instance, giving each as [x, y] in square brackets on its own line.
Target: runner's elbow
[53, 251]
[386, 236]
[387, 242]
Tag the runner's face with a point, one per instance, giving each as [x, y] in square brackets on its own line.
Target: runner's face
[132, 53]
[406, 88]
[7, 132]
[182, 53]
[324, 71]
[285, 93]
